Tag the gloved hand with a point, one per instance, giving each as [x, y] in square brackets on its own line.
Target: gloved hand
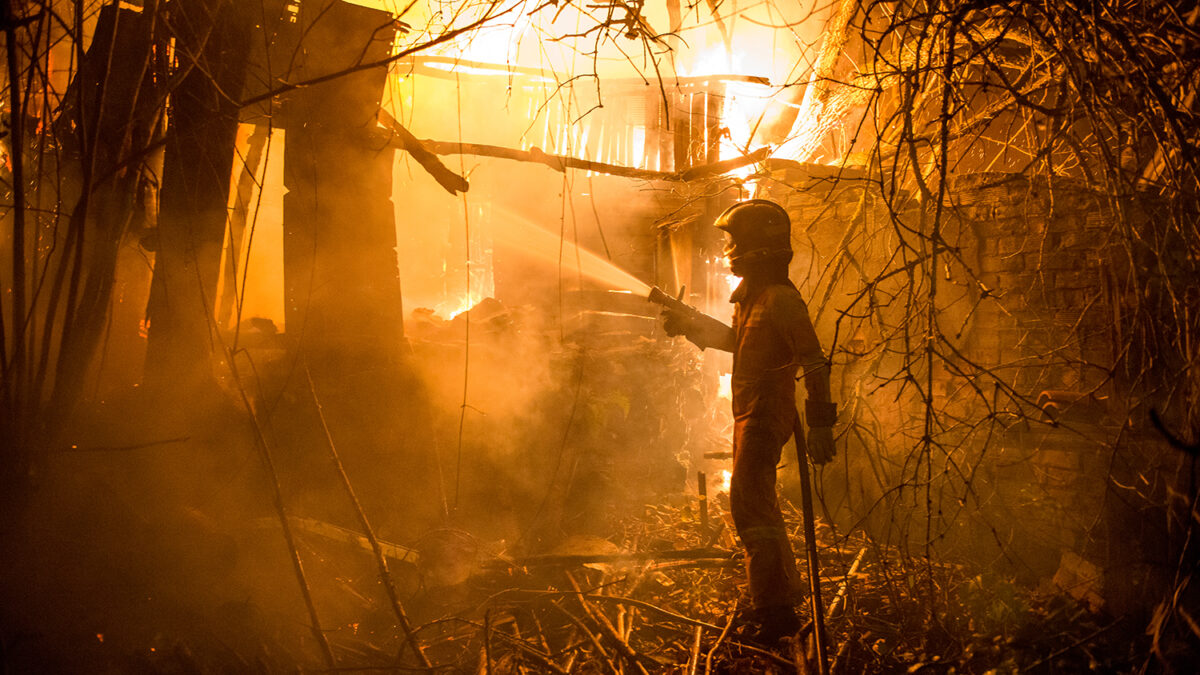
[821, 449]
[700, 329]
[674, 323]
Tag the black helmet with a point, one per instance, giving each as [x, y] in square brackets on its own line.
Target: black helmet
[757, 228]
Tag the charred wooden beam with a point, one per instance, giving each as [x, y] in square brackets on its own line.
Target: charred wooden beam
[106, 111]
[341, 276]
[713, 102]
[563, 162]
[212, 40]
[452, 68]
[679, 116]
[450, 181]
[394, 552]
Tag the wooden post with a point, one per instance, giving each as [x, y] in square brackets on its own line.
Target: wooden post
[651, 116]
[696, 144]
[341, 277]
[681, 117]
[195, 192]
[714, 101]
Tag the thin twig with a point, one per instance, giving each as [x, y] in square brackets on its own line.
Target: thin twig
[385, 575]
[720, 638]
[281, 511]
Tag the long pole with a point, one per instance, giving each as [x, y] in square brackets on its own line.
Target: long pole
[810, 543]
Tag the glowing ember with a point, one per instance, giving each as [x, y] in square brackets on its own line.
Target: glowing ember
[725, 387]
[726, 480]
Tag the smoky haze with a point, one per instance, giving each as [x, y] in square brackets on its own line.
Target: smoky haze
[226, 417]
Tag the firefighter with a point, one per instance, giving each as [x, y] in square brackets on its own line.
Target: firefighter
[773, 342]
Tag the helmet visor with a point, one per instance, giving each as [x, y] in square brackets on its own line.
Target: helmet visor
[736, 248]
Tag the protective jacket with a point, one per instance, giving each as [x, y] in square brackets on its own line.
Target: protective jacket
[773, 339]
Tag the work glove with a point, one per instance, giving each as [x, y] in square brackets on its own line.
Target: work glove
[700, 329]
[821, 417]
[674, 323]
[820, 445]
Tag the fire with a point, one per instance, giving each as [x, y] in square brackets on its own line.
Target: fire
[726, 480]
[731, 281]
[745, 176]
[492, 41]
[745, 105]
[709, 60]
[452, 308]
[725, 386]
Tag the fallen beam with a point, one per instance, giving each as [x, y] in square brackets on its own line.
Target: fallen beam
[406, 142]
[453, 68]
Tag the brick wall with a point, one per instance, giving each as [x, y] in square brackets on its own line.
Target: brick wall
[1030, 327]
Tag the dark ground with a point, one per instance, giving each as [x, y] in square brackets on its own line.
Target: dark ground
[101, 584]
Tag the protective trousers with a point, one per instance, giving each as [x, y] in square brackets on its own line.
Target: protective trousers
[770, 563]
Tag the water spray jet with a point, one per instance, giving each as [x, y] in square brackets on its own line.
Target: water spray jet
[547, 246]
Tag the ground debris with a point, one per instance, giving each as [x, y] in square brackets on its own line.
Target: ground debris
[650, 603]
[660, 595]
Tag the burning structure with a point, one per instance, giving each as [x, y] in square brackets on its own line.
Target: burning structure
[325, 333]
